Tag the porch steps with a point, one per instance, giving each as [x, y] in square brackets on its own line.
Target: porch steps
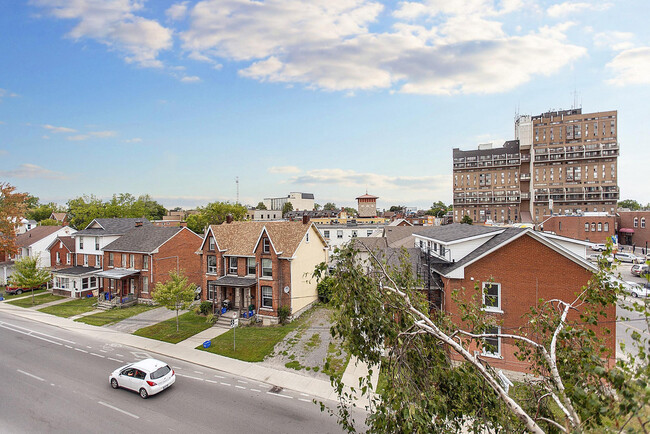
[223, 321]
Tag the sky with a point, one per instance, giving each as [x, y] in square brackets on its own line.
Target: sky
[331, 97]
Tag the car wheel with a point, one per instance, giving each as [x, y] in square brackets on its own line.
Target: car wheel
[114, 384]
[635, 295]
[143, 393]
[20, 291]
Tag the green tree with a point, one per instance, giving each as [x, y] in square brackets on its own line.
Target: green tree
[197, 223]
[385, 319]
[49, 222]
[12, 208]
[28, 275]
[43, 211]
[330, 206]
[260, 206]
[351, 211]
[175, 294]
[214, 213]
[396, 208]
[467, 220]
[438, 209]
[633, 205]
[287, 207]
[317, 206]
[84, 209]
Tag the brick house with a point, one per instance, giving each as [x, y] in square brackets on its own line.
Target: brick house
[595, 227]
[62, 253]
[518, 267]
[634, 228]
[34, 243]
[263, 264]
[144, 256]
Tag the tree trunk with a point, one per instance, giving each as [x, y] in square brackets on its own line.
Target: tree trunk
[177, 318]
[32, 295]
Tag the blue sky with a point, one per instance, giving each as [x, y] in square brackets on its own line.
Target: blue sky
[334, 97]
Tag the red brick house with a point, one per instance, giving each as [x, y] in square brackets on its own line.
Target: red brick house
[263, 264]
[144, 256]
[595, 227]
[62, 253]
[518, 266]
[634, 228]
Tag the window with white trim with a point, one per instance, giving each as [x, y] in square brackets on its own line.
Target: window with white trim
[123, 264]
[586, 227]
[267, 297]
[339, 234]
[606, 227]
[643, 222]
[58, 257]
[145, 284]
[600, 227]
[266, 245]
[250, 266]
[111, 260]
[492, 345]
[68, 257]
[85, 260]
[326, 234]
[232, 265]
[81, 243]
[212, 264]
[98, 261]
[212, 244]
[212, 291]
[132, 261]
[636, 222]
[492, 296]
[145, 262]
[96, 243]
[267, 268]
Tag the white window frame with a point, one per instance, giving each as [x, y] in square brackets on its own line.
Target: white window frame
[68, 257]
[212, 269]
[145, 284]
[123, 260]
[145, 262]
[339, 234]
[132, 261]
[263, 268]
[58, 257]
[266, 245]
[111, 260]
[326, 234]
[496, 308]
[96, 243]
[212, 244]
[267, 297]
[81, 243]
[497, 353]
[248, 266]
[642, 222]
[98, 261]
[85, 260]
[231, 269]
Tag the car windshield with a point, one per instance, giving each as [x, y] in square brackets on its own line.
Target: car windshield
[160, 372]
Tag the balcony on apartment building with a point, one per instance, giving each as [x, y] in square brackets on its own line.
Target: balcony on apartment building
[525, 177]
[499, 160]
[592, 150]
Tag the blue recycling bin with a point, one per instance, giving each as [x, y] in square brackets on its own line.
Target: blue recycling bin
[223, 310]
[207, 344]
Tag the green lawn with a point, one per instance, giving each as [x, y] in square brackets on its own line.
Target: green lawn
[114, 315]
[253, 342]
[41, 299]
[9, 297]
[71, 308]
[190, 324]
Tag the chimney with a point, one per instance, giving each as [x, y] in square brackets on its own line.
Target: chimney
[305, 219]
[229, 218]
[183, 224]
[138, 223]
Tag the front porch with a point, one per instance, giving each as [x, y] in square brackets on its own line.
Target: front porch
[232, 297]
[121, 289]
[76, 282]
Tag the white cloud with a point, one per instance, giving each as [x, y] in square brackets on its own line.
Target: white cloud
[114, 23]
[55, 129]
[283, 169]
[191, 79]
[616, 41]
[103, 134]
[631, 67]
[32, 171]
[4, 93]
[570, 7]
[79, 137]
[177, 11]
[133, 140]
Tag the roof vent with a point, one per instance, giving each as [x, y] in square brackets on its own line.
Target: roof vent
[138, 223]
[229, 218]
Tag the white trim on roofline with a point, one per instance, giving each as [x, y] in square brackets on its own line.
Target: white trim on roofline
[205, 237]
[461, 240]
[574, 240]
[270, 240]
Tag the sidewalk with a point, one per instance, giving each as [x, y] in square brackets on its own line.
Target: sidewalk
[317, 388]
[144, 319]
[52, 303]
[353, 372]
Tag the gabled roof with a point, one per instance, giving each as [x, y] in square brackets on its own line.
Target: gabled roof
[34, 235]
[400, 236]
[58, 216]
[240, 238]
[112, 226]
[144, 239]
[367, 196]
[68, 242]
[456, 232]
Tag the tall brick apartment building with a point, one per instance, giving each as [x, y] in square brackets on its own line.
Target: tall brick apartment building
[562, 160]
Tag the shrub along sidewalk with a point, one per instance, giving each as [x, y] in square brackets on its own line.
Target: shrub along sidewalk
[190, 323]
[71, 308]
[38, 300]
[114, 315]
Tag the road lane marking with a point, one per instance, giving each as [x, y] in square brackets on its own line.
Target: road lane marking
[198, 372]
[226, 384]
[189, 376]
[212, 381]
[30, 331]
[279, 394]
[97, 355]
[118, 409]
[80, 350]
[103, 351]
[255, 390]
[28, 334]
[89, 347]
[30, 375]
[115, 360]
[304, 400]
[68, 346]
[240, 381]
[119, 355]
[303, 394]
[219, 376]
[240, 387]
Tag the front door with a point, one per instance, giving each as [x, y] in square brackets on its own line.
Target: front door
[131, 286]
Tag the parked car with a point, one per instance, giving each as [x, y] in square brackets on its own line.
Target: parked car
[628, 257]
[636, 289]
[147, 377]
[598, 247]
[17, 290]
[639, 269]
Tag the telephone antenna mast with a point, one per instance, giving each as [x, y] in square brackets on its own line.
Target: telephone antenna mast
[237, 183]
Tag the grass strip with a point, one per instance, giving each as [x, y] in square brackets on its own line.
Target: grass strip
[71, 308]
[114, 315]
[41, 299]
[190, 324]
[10, 296]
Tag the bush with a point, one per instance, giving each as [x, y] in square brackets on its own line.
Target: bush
[211, 318]
[324, 288]
[205, 307]
[283, 314]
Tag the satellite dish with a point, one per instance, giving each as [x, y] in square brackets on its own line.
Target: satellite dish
[286, 289]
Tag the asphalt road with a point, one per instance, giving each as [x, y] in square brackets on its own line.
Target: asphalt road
[54, 380]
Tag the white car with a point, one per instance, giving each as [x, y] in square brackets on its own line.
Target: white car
[598, 247]
[629, 257]
[147, 377]
[637, 289]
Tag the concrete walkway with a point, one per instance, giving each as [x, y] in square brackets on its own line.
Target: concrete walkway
[52, 303]
[315, 387]
[355, 370]
[205, 335]
[81, 315]
[144, 319]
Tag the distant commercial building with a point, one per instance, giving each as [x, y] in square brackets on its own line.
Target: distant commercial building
[634, 228]
[595, 227]
[367, 205]
[561, 161]
[299, 201]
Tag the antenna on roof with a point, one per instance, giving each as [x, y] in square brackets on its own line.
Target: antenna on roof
[237, 183]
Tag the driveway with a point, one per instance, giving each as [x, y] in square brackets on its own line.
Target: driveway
[144, 319]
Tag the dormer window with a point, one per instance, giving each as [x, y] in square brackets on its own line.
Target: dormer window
[211, 244]
[266, 245]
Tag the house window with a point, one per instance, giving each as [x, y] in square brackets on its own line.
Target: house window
[68, 258]
[93, 282]
[369, 232]
[232, 265]
[593, 227]
[212, 264]
[266, 245]
[267, 270]
[267, 297]
[85, 260]
[326, 234]
[58, 257]
[492, 345]
[586, 227]
[250, 266]
[123, 265]
[339, 234]
[559, 225]
[211, 244]
[145, 284]
[98, 261]
[606, 228]
[212, 290]
[145, 262]
[442, 250]
[307, 237]
[81, 243]
[643, 222]
[96, 243]
[492, 296]
[111, 260]
[600, 227]
[84, 283]
[132, 261]
[636, 222]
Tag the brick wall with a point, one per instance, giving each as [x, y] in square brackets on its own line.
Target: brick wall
[179, 252]
[600, 228]
[63, 252]
[641, 235]
[527, 271]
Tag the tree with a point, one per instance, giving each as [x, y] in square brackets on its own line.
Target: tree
[28, 275]
[49, 222]
[287, 207]
[12, 208]
[330, 206]
[82, 210]
[381, 311]
[467, 220]
[438, 209]
[396, 208]
[633, 205]
[197, 223]
[350, 211]
[317, 207]
[43, 211]
[175, 294]
[260, 205]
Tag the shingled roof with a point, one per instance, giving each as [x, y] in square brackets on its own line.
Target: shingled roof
[68, 242]
[144, 239]
[456, 231]
[112, 226]
[34, 235]
[240, 238]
